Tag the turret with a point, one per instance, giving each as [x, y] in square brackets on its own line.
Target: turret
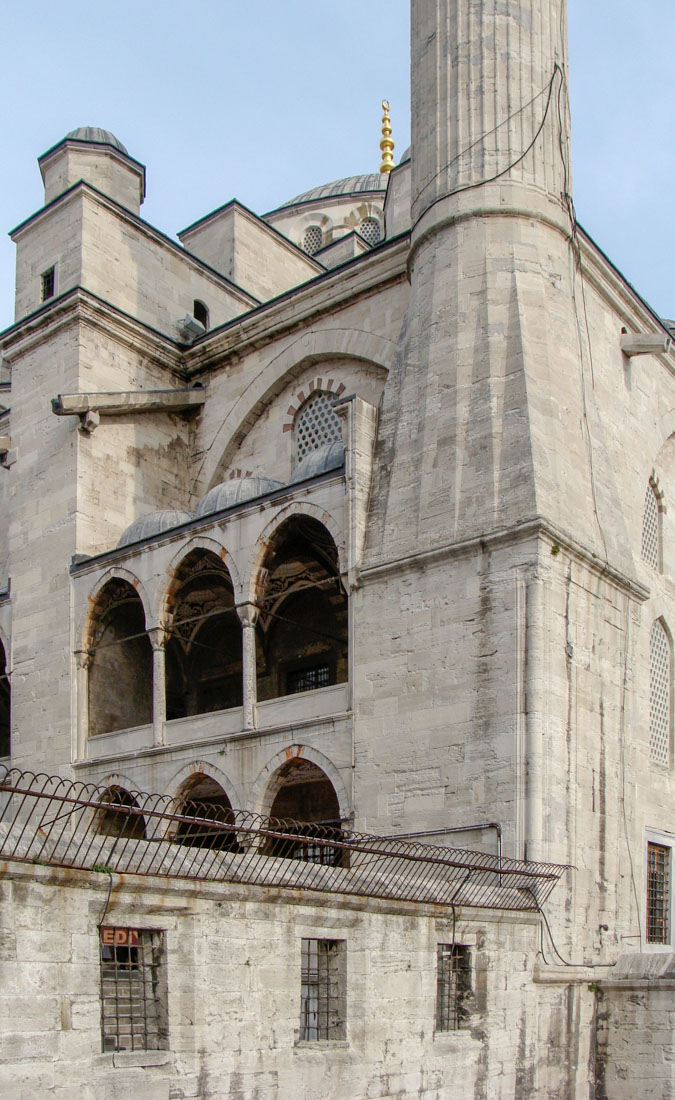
[99, 158]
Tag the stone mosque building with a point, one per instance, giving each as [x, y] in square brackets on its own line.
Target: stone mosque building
[337, 607]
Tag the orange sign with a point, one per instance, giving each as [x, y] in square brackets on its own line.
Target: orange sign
[119, 937]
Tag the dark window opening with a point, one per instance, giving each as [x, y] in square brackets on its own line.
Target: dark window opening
[204, 652]
[119, 815]
[133, 990]
[658, 893]
[5, 707]
[453, 986]
[47, 280]
[306, 805]
[307, 679]
[302, 627]
[205, 801]
[200, 313]
[323, 992]
[120, 676]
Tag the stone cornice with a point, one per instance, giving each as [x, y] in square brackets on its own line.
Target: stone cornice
[79, 306]
[338, 288]
[536, 528]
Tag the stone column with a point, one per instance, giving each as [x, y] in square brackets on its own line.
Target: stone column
[248, 613]
[158, 639]
[84, 659]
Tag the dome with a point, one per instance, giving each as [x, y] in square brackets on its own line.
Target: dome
[330, 456]
[153, 524]
[350, 185]
[96, 136]
[237, 491]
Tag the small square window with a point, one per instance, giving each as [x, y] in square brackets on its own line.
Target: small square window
[47, 280]
[453, 986]
[307, 679]
[658, 893]
[133, 990]
[323, 996]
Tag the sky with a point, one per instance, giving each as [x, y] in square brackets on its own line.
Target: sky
[263, 100]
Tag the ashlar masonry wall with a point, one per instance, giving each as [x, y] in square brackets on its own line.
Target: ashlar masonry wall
[233, 966]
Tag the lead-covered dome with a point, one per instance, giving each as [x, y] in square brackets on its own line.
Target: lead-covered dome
[329, 456]
[153, 524]
[96, 136]
[350, 185]
[236, 491]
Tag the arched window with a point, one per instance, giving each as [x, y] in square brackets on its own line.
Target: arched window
[316, 423]
[120, 676]
[205, 801]
[200, 313]
[651, 527]
[204, 652]
[312, 240]
[370, 230]
[660, 693]
[119, 815]
[5, 706]
[302, 626]
[307, 806]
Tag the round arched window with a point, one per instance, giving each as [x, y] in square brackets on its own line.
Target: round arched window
[312, 240]
[370, 230]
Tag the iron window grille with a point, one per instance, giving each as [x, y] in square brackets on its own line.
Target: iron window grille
[133, 990]
[47, 284]
[651, 528]
[307, 679]
[453, 986]
[660, 677]
[322, 1007]
[658, 893]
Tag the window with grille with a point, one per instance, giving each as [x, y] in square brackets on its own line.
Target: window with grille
[453, 986]
[316, 423]
[133, 990]
[312, 240]
[307, 679]
[658, 893]
[651, 529]
[323, 997]
[659, 694]
[370, 230]
[47, 281]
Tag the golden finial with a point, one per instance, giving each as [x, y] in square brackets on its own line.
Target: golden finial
[386, 145]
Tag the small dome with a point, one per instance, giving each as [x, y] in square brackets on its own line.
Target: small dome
[330, 456]
[96, 136]
[153, 524]
[236, 491]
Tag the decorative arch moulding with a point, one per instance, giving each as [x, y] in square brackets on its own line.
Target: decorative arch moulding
[320, 385]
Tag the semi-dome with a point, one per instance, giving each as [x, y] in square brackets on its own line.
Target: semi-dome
[330, 456]
[350, 185]
[236, 491]
[96, 136]
[153, 524]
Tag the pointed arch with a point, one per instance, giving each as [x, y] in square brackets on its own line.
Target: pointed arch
[268, 782]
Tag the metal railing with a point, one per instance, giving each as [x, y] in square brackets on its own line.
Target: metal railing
[63, 823]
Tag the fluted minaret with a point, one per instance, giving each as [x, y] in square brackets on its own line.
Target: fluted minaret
[490, 407]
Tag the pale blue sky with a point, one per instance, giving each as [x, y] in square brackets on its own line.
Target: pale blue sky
[261, 101]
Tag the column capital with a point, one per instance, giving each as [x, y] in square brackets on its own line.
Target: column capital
[84, 657]
[248, 613]
[159, 636]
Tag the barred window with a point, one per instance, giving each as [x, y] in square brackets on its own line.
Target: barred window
[453, 986]
[651, 528]
[658, 893]
[316, 423]
[323, 996]
[312, 240]
[370, 230]
[47, 282]
[659, 694]
[308, 679]
[133, 990]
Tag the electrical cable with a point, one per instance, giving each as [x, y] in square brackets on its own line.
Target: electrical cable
[564, 961]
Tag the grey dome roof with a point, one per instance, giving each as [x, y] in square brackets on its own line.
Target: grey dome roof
[330, 456]
[153, 524]
[96, 136]
[236, 491]
[350, 185]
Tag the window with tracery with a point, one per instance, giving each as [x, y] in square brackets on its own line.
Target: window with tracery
[651, 528]
[370, 230]
[316, 423]
[312, 240]
[660, 677]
